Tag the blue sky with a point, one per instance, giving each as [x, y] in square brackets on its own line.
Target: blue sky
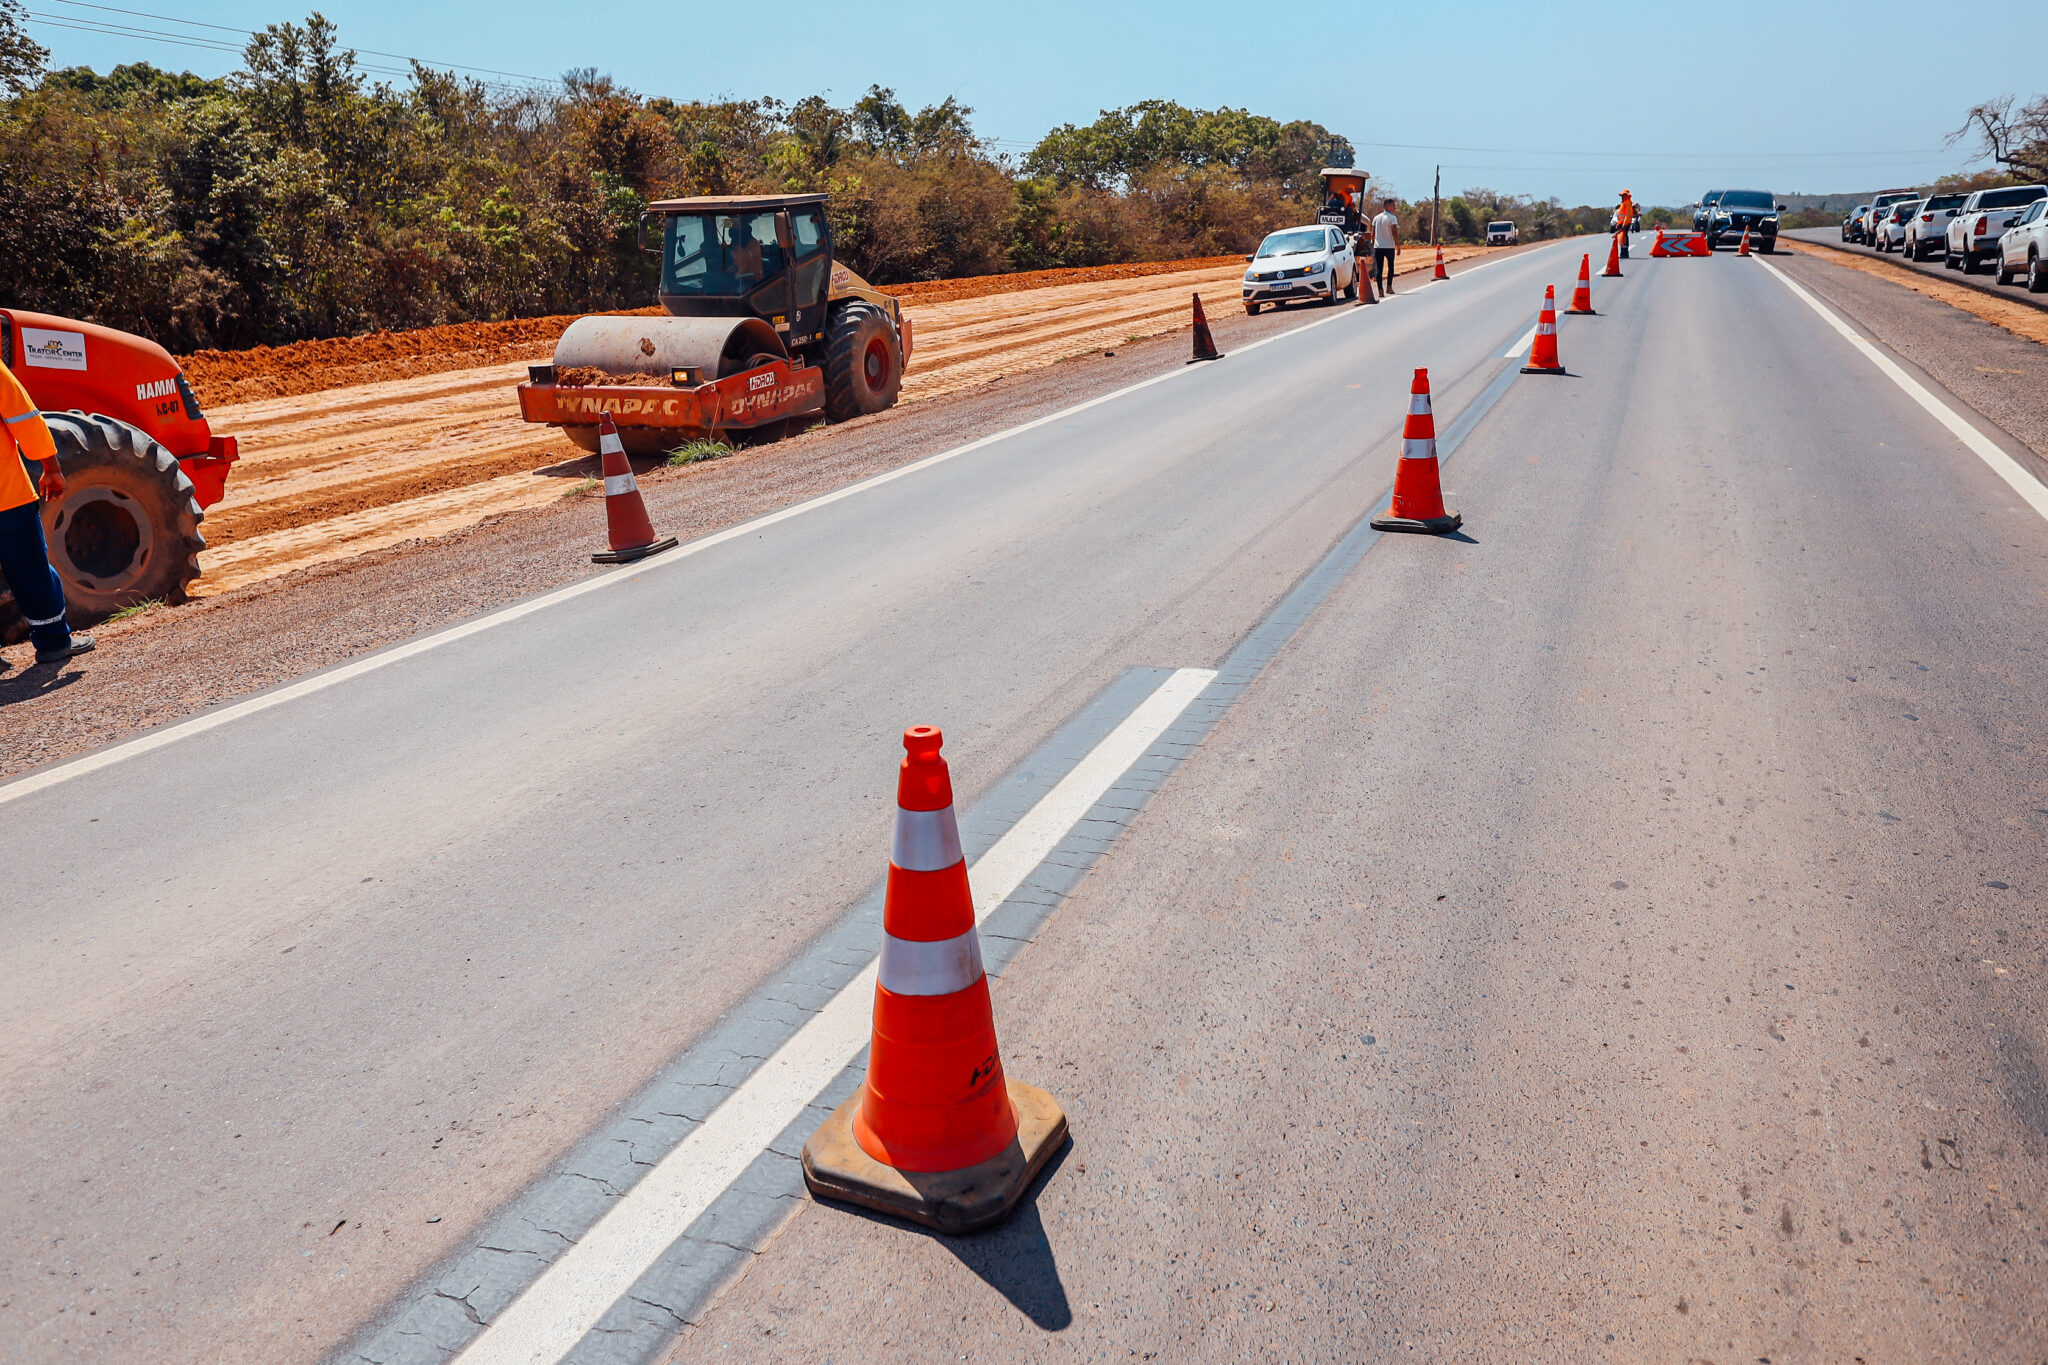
[1572, 100]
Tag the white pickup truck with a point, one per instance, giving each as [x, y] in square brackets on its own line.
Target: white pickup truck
[1503, 233]
[1974, 232]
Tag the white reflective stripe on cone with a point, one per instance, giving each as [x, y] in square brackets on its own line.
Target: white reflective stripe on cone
[615, 484]
[1418, 405]
[1419, 448]
[941, 968]
[608, 443]
[926, 840]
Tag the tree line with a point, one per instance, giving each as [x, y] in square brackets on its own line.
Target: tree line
[298, 198]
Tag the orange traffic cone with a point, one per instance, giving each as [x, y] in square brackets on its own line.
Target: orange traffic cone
[937, 1134]
[1613, 270]
[1543, 355]
[632, 534]
[1441, 273]
[1205, 344]
[1743, 250]
[1366, 293]
[1418, 503]
[1582, 297]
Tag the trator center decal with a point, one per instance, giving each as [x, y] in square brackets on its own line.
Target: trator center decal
[52, 350]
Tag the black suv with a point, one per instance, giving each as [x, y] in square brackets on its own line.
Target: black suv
[1737, 210]
[1703, 212]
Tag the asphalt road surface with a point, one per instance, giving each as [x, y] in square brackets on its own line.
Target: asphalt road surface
[1610, 934]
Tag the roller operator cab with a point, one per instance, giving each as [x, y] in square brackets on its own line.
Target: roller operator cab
[139, 459]
[765, 331]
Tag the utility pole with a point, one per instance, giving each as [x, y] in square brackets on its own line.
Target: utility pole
[1436, 205]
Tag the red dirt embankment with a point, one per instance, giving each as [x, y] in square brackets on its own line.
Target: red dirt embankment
[223, 377]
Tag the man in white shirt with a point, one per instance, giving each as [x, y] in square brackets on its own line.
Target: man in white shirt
[1386, 240]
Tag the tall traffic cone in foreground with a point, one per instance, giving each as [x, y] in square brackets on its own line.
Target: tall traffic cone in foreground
[1441, 273]
[1743, 250]
[1205, 344]
[937, 1134]
[1418, 503]
[632, 534]
[1582, 297]
[1543, 355]
[1613, 270]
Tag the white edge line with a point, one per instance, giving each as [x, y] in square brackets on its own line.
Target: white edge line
[573, 1294]
[1523, 346]
[142, 744]
[2030, 489]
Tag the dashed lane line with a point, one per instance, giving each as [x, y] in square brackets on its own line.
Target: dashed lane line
[2030, 489]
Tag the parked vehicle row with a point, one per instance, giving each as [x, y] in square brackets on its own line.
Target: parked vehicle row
[2004, 230]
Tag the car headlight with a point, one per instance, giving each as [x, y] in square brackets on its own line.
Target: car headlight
[1317, 268]
[1250, 278]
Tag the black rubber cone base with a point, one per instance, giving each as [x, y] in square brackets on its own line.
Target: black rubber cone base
[1581, 312]
[1544, 369]
[628, 556]
[1213, 355]
[837, 1167]
[1430, 526]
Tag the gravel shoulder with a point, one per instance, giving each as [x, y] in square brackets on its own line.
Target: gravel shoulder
[163, 666]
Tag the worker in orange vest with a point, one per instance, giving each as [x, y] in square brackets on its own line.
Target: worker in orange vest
[1626, 218]
[24, 555]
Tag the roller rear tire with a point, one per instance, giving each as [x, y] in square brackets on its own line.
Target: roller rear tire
[863, 362]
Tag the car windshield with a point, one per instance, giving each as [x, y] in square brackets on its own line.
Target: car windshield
[2005, 199]
[719, 255]
[1293, 242]
[1499, 227]
[1747, 199]
[1943, 201]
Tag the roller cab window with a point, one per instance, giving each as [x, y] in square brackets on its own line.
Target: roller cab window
[720, 255]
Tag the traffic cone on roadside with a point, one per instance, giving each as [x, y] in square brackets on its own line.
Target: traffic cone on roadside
[1418, 503]
[1743, 250]
[625, 514]
[1543, 355]
[1613, 270]
[937, 1134]
[1366, 294]
[1441, 273]
[1205, 344]
[1582, 297]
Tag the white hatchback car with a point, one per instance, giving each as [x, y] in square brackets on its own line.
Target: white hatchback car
[2023, 249]
[1300, 263]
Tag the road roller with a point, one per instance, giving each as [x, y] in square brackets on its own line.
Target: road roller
[764, 332]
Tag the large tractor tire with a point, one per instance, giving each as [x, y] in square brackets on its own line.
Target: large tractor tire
[863, 362]
[127, 528]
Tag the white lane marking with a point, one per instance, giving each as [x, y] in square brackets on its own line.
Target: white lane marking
[572, 1296]
[1523, 346]
[320, 682]
[2030, 489]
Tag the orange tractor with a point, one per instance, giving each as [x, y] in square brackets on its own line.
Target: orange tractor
[140, 462]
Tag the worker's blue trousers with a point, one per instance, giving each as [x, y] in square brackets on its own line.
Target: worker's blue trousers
[25, 564]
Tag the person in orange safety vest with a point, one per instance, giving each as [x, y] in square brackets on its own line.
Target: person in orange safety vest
[24, 555]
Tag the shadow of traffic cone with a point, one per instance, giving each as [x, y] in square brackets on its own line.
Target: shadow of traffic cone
[1441, 273]
[1582, 297]
[1543, 355]
[1743, 250]
[1613, 270]
[937, 1134]
[1205, 344]
[1418, 503]
[625, 514]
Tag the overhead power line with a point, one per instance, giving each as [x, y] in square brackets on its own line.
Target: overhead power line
[83, 24]
[1651, 156]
